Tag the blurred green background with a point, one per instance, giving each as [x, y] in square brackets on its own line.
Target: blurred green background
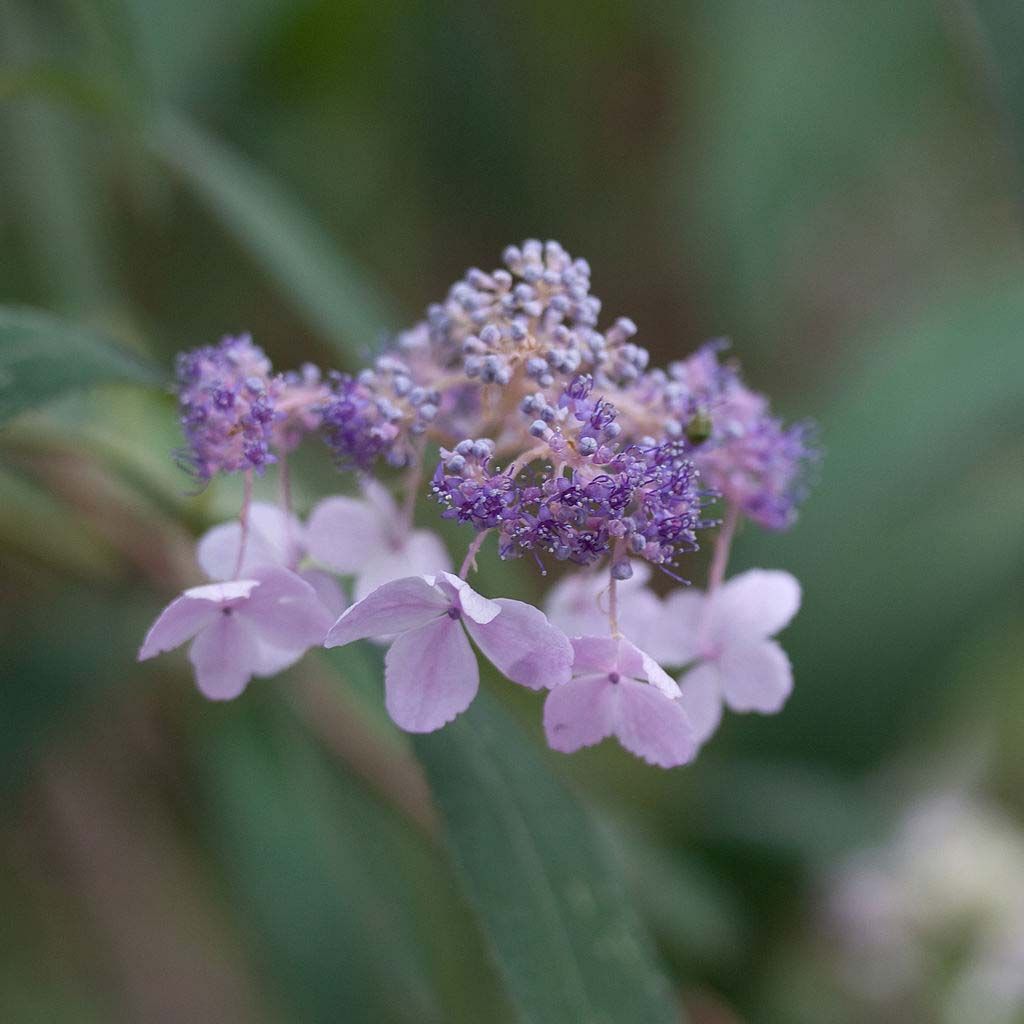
[835, 186]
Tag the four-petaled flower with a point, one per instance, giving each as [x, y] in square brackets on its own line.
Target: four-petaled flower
[371, 540]
[618, 690]
[728, 634]
[242, 628]
[275, 539]
[578, 605]
[431, 672]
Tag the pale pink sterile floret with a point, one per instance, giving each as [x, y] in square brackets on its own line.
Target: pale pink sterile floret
[431, 672]
[275, 539]
[370, 539]
[727, 636]
[618, 690]
[578, 605]
[240, 629]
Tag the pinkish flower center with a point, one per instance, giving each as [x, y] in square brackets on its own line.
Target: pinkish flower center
[454, 613]
[613, 677]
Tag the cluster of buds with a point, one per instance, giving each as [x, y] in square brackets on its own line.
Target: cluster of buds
[236, 413]
[564, 443]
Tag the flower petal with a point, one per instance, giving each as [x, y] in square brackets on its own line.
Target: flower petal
[229, 592]
[285, 610]
[424, 554]
[344, 534]
[221, 656]
[478, 608]
[524, 645]
[274, 539]
[620, 655]
[701, 698]
[753, 606]
[679, 626]
[268, 660]
[328, 589]
[578, 603]
[594, 654]
[657, 676]
[757, 678]
[430, 676]
[393, 608]
[652, 725]
[578, 713]
[179, 621]
[642, 621]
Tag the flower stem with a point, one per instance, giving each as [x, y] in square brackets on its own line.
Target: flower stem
[243, 518]
[723, 542]
[284, 480]
[470, 560]
[525, 459]
[613, 606]
[412, 486]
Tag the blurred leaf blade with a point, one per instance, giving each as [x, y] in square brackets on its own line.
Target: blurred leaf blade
[1000, 30]
[43, 357]
[541, 878]
[908, 439]
[318, 866]
[325, 285]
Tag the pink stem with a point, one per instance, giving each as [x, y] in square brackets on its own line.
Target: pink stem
[723, 542]
[412, 486]
[470, 559]
[527, 457]
[285, 481]
[243, 518]
[613, 607]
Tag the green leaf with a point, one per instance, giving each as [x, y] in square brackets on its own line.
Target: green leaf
[998, 27]
[541, 877]
[915, 510]
[322, 874]
[280, 234]
[43, 357]
[53, 82]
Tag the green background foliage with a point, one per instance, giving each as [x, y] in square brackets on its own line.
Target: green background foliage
[835, 185]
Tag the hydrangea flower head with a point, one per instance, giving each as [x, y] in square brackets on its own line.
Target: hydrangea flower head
[552, 437]
[431, 673]
[618, 690]
[727, 635]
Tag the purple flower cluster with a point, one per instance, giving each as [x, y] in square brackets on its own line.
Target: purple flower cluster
[643, 503]
[749, 456]
[379, 413]
[237, 413]
[227, 401]
[562, 440]
[537, 306]
[643, 500]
